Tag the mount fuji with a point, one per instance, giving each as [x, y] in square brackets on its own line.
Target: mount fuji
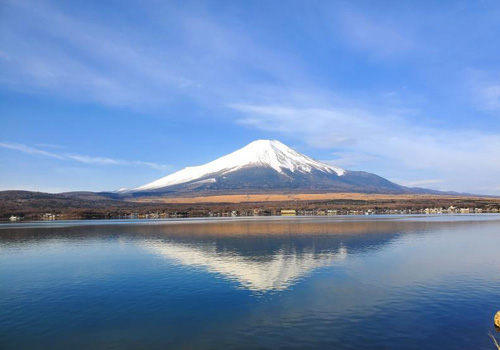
[265, 166]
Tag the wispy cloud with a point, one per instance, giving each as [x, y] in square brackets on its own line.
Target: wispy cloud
[420, 183]
[485, 89]
[488, 96]
[491, 96]
[80, 158]
[179, 54]
[48, 145]
[373, 34]
[29, 150]
[378, 141]
[62, 65]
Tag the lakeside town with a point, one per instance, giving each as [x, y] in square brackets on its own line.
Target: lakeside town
[267, 212]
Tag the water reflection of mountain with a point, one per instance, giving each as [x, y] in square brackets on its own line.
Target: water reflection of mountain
[259, 255]
[269, 256]
[277, 272]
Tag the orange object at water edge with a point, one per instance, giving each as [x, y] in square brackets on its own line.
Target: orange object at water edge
[496, 320]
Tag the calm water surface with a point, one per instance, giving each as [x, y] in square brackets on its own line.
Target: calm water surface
[289, 283]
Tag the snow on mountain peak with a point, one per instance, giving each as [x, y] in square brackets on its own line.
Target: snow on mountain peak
[276, 155]
[266, 153]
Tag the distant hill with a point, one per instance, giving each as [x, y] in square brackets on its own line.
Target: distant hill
[89, 205]
[28, 203]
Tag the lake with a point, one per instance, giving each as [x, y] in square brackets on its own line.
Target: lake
[372, 282]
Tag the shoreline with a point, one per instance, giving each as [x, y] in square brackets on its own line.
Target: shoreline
[205, 220]
[23, 205]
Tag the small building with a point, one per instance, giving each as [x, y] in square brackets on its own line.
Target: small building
[48, 216]
[288, 212]
[15, 218]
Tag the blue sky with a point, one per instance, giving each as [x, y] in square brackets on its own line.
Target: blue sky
[102, 95]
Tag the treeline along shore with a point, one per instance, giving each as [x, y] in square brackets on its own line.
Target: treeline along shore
[27, 205]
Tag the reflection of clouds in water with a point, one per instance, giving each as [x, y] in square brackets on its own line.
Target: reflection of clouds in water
[277, 273]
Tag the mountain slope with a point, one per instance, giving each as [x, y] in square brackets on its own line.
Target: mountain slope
[267, 166]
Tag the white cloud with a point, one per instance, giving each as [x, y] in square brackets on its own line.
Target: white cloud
[29, 150]
[86, 60]
[490, 97]
[351, 160]
[80, 158]
[387, 144]
[484, 86]
[179, 54]
[379, 37]
[48, 145]
[419, 183]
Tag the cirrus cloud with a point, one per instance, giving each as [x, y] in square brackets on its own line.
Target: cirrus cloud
[461, 158]
[80, 158]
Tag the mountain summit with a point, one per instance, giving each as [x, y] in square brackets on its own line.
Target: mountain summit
[268, 165]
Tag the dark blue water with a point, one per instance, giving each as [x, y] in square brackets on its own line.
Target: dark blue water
[291, 283]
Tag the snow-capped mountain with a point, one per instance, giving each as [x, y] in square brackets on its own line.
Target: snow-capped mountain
[261, 153]
[266, 165]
